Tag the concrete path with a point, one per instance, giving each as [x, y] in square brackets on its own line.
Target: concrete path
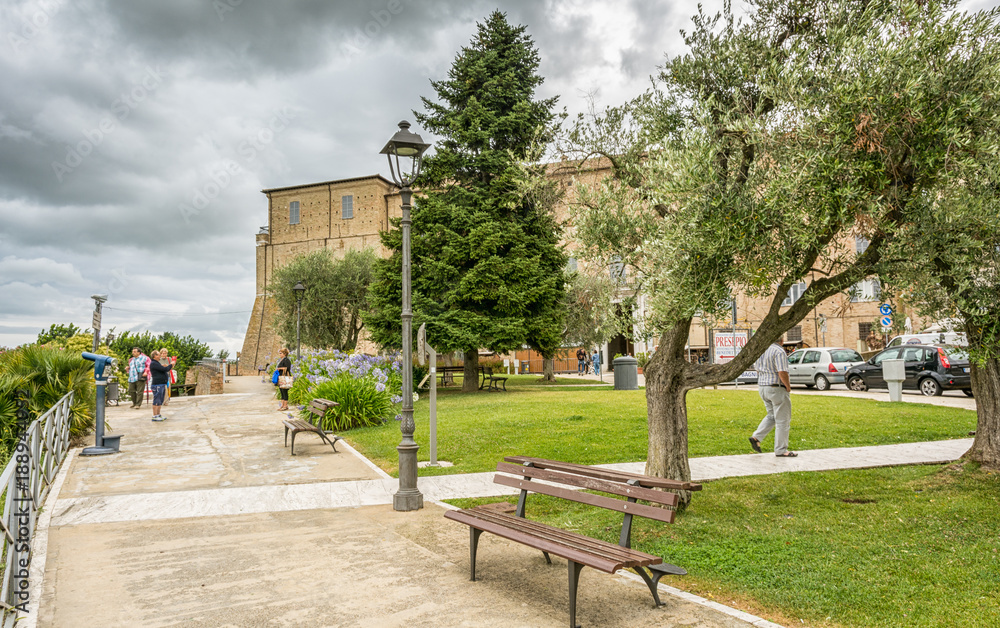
[204, 519]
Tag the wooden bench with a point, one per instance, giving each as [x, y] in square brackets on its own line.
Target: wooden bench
[491, 381]
[579, 551]
[318, 407]
[187, 389]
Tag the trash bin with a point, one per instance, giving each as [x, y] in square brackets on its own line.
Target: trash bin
[626, 373]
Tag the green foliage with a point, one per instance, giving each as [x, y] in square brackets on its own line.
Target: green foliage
[590, 318]
[46, 374]
[58, 331]
[360, 403]
[487, 267]
[187, 349]
[333, 303]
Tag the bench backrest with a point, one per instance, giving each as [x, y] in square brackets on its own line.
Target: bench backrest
[319, 406]
[613, 475]
[543, 481]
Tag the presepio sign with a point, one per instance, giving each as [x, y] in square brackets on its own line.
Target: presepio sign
[726, 344]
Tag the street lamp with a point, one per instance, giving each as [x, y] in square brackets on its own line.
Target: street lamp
[299, 289]
[406, 146]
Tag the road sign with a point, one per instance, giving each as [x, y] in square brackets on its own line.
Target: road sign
[886, 322]
[885, 310]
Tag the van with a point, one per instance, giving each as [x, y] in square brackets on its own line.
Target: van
[936, 338]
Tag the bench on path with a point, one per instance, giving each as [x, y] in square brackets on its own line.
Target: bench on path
[187, 389]
[579, 551]
[490, 380]
[318, 407]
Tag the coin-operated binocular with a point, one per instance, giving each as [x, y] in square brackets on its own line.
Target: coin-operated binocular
[104, 444]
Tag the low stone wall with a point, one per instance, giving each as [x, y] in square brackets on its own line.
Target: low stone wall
[210, 380]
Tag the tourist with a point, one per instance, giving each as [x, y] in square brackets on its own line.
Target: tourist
[137, 376]
[581, 360]
[284, 368]
[596, 360]
[161, 381]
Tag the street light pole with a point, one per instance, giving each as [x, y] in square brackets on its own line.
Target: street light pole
[408, 146]
[299, 289]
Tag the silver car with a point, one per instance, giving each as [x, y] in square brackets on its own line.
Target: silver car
[822, 366]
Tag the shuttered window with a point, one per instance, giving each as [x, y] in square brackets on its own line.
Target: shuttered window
[293, 213]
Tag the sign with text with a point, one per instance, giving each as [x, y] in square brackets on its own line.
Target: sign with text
[726, 344]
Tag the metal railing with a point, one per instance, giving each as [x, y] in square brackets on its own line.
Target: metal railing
[26, 481]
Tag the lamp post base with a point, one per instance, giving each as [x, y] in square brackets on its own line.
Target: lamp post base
[408, 497]
[405, 500]
[97, 451]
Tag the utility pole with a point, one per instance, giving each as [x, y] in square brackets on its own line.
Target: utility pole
[96, 322]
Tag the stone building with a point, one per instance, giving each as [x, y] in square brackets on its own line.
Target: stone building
[348, 214]
[336, 215]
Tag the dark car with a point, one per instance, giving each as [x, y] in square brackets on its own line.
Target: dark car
[931, 369]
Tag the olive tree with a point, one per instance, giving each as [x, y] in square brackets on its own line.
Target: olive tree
[763, 150]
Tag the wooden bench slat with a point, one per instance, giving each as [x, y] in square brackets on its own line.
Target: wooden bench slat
[595, 484]
[544, 544]
[606, 474]
[642, 510]
[575, 540]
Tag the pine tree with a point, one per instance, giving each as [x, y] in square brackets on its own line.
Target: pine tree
[487, 265]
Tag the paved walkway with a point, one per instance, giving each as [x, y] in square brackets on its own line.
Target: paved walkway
[203, 519]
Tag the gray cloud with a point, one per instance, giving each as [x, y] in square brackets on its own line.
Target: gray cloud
[186, 110]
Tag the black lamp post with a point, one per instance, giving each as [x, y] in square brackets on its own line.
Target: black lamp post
[408, 146]
[299, 289]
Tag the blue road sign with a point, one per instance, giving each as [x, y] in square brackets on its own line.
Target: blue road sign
[887, 322]
[885, 309]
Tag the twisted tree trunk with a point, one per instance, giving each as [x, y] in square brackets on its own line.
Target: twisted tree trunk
[986, 387]
[666, 406]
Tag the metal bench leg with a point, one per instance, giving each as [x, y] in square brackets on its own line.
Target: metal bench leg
[651, 583]
[293, 441]
[473, 546]
[286, 436]
[547, 559]
[333, 441]
[574, 581]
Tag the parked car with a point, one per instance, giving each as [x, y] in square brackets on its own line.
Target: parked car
[935, 338]
[931, 369]
[821, 366]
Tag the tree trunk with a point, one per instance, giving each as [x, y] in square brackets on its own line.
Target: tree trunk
[666, 406]
[548, 369]
[986, 387]
[470, 383]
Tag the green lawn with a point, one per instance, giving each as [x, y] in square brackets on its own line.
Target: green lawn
[596, 424]
[904, 546]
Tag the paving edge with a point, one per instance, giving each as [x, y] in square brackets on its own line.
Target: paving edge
[753, 620]
[40, 545]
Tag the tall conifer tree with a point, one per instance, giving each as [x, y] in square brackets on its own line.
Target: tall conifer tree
[487, 265]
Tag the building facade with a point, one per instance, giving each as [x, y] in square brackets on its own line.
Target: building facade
[348, 214]
[341, 215]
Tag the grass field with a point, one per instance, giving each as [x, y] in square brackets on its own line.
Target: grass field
[596, 424]
[905, 546]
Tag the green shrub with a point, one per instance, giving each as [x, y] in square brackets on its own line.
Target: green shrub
[361, 404]
[46, 374]
[299, 394]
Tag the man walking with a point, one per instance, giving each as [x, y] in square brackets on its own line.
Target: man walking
[774, 386]
[581, 360]
[137, 376]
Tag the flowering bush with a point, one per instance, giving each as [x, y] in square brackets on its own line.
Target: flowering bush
[366, 387]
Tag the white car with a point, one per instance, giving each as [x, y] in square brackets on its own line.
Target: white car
[821, 367]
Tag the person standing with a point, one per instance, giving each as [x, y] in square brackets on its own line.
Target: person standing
[137, 376]
[284, 367]
[161, 382]
[774, 388]
[165, 360]
[581, 359]
[596, 360]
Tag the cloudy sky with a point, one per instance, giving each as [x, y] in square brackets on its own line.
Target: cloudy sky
[135, 136]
